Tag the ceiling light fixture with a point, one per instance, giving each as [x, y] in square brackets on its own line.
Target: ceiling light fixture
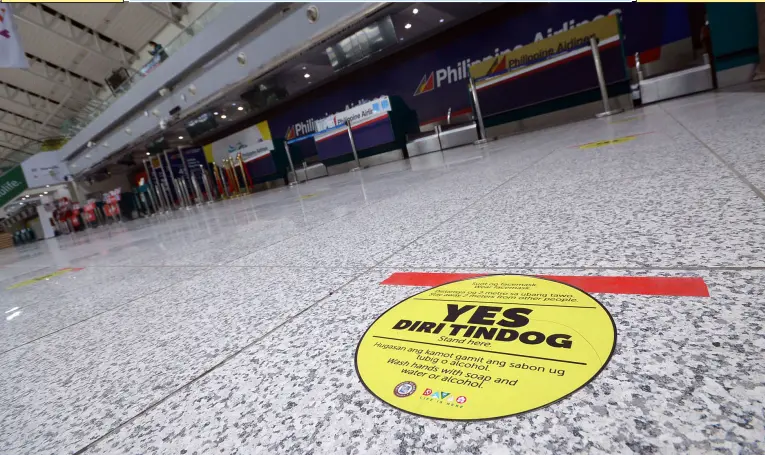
[408, 26]
[45, 192]
[304, 67]
[415, 11]
[223, 116]
[440, 20]
[180, 137]
[306, 75]
[240, 108]
[148, 153]
[215, 113]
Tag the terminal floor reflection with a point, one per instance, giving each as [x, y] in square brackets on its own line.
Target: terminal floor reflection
[232, 328]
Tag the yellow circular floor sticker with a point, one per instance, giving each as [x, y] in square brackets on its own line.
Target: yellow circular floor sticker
[486, 347]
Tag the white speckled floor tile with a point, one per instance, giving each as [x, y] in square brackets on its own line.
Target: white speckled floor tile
[81, 382]
[672, 386]
[230, 328]
[664, 220]
[48, 306]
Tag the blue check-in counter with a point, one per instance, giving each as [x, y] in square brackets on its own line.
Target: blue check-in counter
[379, 127]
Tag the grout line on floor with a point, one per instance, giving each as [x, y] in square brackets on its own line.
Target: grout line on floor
[96, 315]
[221, 363]
[295, 316]
[557, 267]
[730, 167]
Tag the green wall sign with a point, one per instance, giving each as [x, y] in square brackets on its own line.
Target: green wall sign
[12, 184]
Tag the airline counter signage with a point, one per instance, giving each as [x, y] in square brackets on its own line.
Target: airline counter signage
[434, 78]
[605, 29]
[355, 114]
[253, 143]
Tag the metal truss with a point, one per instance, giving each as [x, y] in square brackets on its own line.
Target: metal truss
[24, 123]
[29, 99]
[165, 11]
[75, 33]
[60, 76]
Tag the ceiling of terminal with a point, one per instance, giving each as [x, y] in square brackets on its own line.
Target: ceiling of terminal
[71, 49]
[412, 23]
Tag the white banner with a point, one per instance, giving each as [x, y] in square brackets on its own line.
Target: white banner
[354, 114]
[11, 52]
[253, 143]
[44, 168]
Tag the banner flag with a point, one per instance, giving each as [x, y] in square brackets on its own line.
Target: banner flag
[11, 52]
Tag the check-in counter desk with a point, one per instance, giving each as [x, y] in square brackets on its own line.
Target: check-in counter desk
[442, 138]
[379, 130]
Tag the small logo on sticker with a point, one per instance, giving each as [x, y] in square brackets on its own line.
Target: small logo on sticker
[405, 389]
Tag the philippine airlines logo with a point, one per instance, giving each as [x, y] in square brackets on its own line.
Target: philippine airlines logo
[290, 133]
[426, 85]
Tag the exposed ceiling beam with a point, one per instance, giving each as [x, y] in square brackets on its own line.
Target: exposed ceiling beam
[26, 138]
[6, 158]
[16, 150]
[45, 18]
[168, 15]
[54, 74]
[28, 99]
[23, 123]
[16, 139]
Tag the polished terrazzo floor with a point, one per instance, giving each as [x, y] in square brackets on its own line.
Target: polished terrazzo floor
[231, 328]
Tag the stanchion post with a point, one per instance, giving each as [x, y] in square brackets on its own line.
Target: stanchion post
[478, 116]
[292, 166]
[166, 185]
[186, 192]
[206, 183]
[245, 173]
[601, 80]
[153, 201]
[221, 181]
[197, 190]
[158, 189]
[353, 147]
[187, 172]
[178, 189]
[232, 168]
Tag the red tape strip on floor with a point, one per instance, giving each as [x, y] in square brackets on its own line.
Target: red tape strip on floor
[643, 285]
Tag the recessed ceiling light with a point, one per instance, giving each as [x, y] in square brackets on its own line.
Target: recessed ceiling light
[215, 113]
[408, 26]
[304, 67]
[415, 11]
[26, 195]
[223, 116]
[440, 20]
[402, 38]
[47, 186]
[240, 108]
[45, 192]
[306, 75]
[148, 153]
[180, 137]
